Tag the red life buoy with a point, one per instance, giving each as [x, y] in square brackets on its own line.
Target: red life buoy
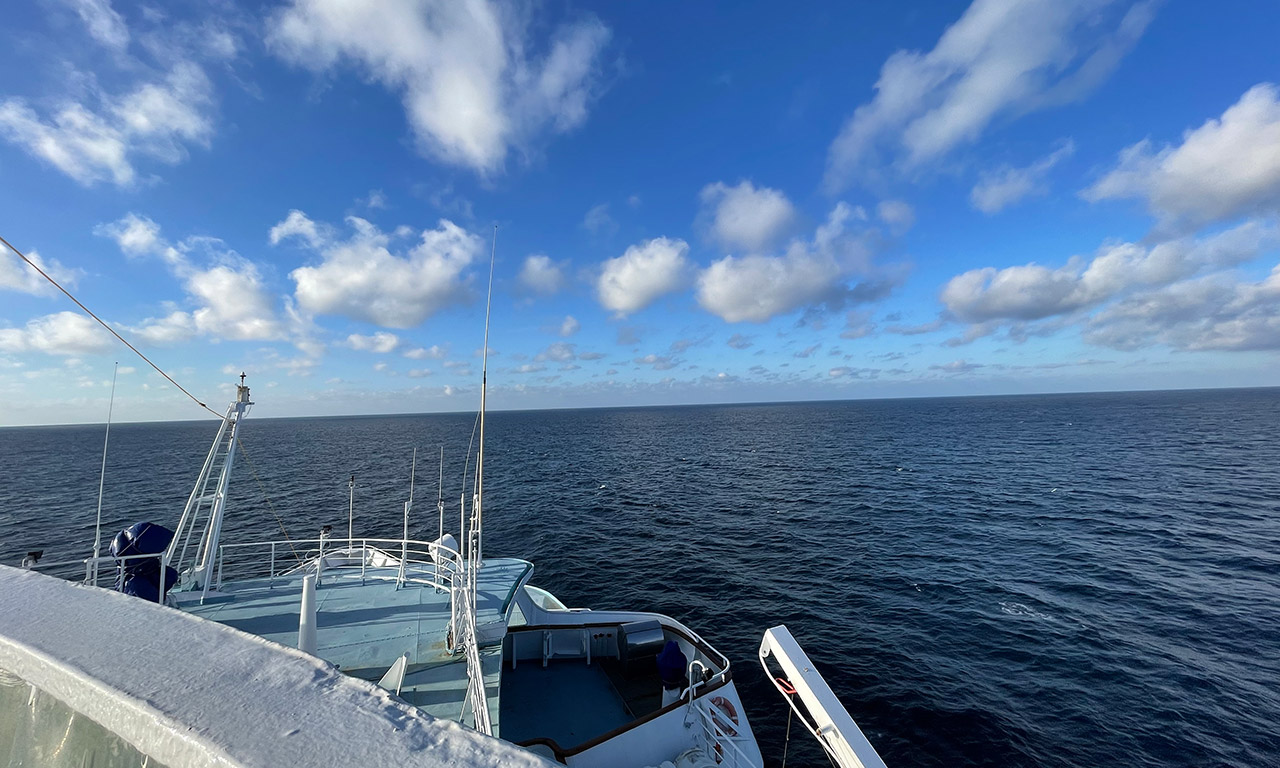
[723, 713]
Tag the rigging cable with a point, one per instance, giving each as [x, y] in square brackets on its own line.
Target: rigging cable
[263, 490]
[110, 330]
[158, 370]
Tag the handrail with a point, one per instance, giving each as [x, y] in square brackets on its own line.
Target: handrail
[93, 571]
[476, 695]
[717, 734]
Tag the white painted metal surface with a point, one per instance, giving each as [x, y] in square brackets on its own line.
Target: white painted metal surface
[815, 703]
[191, 692]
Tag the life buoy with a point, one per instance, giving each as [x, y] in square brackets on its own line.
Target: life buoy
[723, 714]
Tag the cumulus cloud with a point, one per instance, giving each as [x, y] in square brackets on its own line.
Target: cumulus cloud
[540, 276]
[570, 326]
[16, 275]
[1033, 292]
[643, 273]
[434, 352]
[91, 144]
[62, 333]
[229, 292]
[559, 352]
[174, 328]
[1001, 188]
[1214, 312]
[381, 342]
[474, 81]
[659, 362]
[999, 60]
[1226, 168]
[745, 218]
[296, 224]
[360, 278]
[898, 215]
[755, 288]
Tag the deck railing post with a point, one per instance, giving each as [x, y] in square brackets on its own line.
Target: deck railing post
[271, 576]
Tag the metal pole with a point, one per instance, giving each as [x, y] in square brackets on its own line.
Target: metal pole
[102, 478]
[351, 507]
[484, 388]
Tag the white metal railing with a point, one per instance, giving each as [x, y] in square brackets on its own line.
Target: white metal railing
[94, 572]
[466, 623]
[720, 735]
[419, 562]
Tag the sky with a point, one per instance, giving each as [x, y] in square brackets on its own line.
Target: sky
[692, 202]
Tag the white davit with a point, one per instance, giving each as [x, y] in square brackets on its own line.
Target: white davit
[814, 702]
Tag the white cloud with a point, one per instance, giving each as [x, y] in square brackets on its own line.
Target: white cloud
[1005, 186]
[362, 279]
[230, 296]
[559, 352]
[1226, 168]
[102, 21]
[640, 275]
[570, 326]
[296, 224]
[471, 86]
[174, 328]
[158, 120]
[743, 217]
[540, 276]
[598, 221]
[434, 352]
[381, 342]
[756, 288]
[1207, 313]
[16, 275]
[898, 215]
[1001, 59]
[1034, 292]
[62, 333]
[659, 362]
[235, 304]
[738, 341]
[375, 199]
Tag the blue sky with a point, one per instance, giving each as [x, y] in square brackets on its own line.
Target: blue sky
[694, 204]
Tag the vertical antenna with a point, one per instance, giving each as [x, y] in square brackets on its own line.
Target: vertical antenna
[484, 388]
[102, 478]
[404, 543]
[413, 472]
[440, 495]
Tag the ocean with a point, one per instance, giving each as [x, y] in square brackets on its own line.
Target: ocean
[1048, 580]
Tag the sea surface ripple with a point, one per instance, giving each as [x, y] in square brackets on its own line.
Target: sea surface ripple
[1058, 580]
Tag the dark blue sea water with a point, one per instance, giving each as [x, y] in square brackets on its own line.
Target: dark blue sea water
[1067, 580]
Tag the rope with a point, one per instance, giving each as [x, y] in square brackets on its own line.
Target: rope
[272, 507]
[787, 744]
[110, 330]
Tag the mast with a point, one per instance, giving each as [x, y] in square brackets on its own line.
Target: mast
[484, 388]
[208, 501]
[102, 477]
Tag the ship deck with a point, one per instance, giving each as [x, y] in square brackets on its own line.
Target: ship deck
[364, 622]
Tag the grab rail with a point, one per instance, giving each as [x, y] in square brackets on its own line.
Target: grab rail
[440, 561]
